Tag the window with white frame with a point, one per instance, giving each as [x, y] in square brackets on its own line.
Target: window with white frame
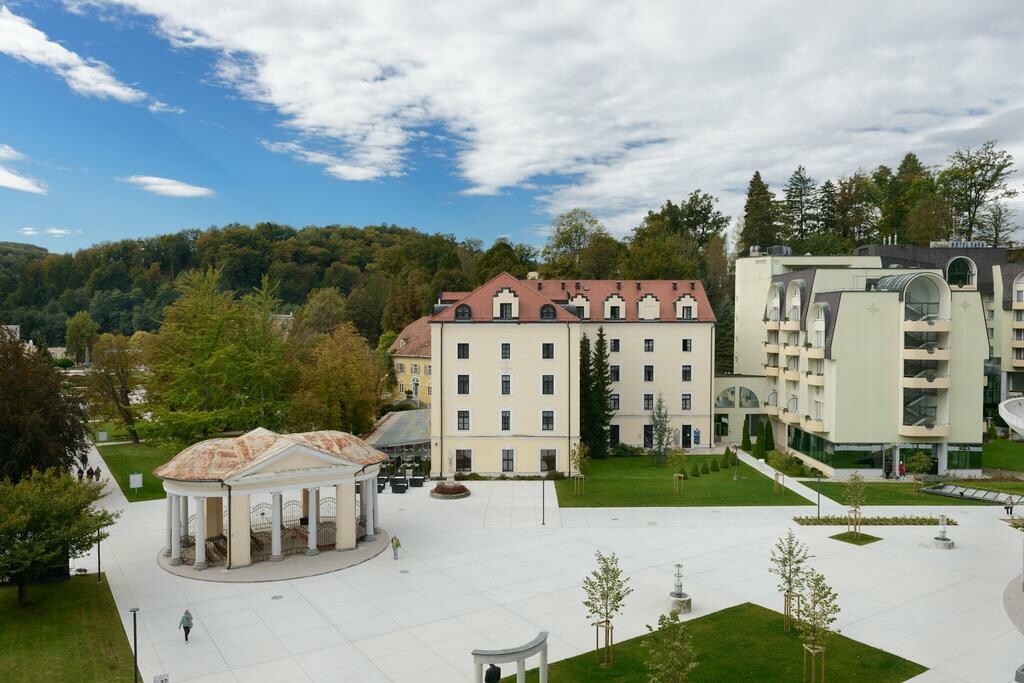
[463, 418]
[648, 401]
[399, 367]
[613, 345]
[463, 459]
[547, 420]
[547, 350]
[508, 460]
[687, 345]
[613, 373]
[426, 369]
[686, 403]
[687, 313]
[547, 459]
[506, 350]
[506, 385]
[415, 368]
[506, 420]
[505, 311]
[547, 384]
[648, 373]
[613, 402]
[687, 373]
[648, 345]
[463, 384]
[463, 350]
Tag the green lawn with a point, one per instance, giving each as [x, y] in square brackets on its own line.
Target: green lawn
[137, 457]
[1003, 454]
[742, 643]
[70, 632]
[889, 494]
[638, 482]
[855, 539]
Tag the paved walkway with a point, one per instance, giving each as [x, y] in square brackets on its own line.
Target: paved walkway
[482, 573]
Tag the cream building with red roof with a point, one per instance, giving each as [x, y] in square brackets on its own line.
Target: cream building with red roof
[411, 355]
[505, 362]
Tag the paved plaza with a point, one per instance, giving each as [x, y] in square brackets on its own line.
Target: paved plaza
[484, 573]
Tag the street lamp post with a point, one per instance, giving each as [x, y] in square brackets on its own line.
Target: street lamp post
[543, 512]
[99, 578]
[819, 495]
[135, 641]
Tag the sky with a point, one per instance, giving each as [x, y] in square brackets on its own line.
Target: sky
[128, 118]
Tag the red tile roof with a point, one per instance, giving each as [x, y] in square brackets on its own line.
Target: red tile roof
[414, 340]
[667, 292]
[480, 301]
[451, 297]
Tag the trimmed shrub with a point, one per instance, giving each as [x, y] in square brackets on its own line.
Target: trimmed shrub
[704, 469]
[555, 475]
[714, 466]
[695, 471]
[621, 450]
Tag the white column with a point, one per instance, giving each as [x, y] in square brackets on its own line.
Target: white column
[176, 531]
[183, 507]
[376, 511]
[311, 548]
[200, 534]
[521, 670]
[371, 522]
[544, 663]
[170, 520]
[275, 530]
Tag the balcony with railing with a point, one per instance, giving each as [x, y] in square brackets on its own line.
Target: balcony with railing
[772, 322]
[815, 378]
[792, 321]
[771, 406]
[791, 413]
[923, 316]
[792, 371]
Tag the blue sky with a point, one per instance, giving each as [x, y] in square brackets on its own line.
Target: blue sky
[136, 117]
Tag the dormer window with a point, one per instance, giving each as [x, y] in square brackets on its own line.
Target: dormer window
[547, 312]
[614, 314]
[687, 313]
[505, 311]
[463, 312]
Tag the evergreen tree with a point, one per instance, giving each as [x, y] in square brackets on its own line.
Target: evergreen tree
[825, 201]
[586, 393]
[769, 437]
[857, 214]
[601, 416]
[799, 205]
[661, 430]
[759, 212]
[745, 442]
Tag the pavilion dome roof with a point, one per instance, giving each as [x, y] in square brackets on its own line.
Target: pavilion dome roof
[223, 458]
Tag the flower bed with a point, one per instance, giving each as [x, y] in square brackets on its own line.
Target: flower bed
[841, 520]
[446, 490]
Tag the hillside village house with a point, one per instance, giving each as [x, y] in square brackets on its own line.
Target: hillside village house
[506, 360]
[411, 355]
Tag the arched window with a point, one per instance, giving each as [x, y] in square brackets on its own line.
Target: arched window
[547, 312]
[726, 399]
[960, 272]
[748, 399]
[463, 312]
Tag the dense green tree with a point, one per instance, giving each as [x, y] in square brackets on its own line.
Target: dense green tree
[601, 412]
[670, 652]
[599, 260]
[930, 219]
[857, 214]
[323, 310]
[825, 201]
[365, 306]
[80, 335]
[408, 299]
[655, 253]
[697, 217]
[41, 422]
[972, 180]
[338, 386]
[587, 398]
[997, 228]
[759, 217]
[661, 430]
[799, 219]
[46, 518]
[502, 257]
[571, 232]
[115, 376]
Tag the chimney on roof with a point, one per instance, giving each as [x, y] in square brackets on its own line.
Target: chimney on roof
[540, 285]
[618, 284]
[674, 287]
[693, 285]
[638, 286]
[563, 284]
[577, 285]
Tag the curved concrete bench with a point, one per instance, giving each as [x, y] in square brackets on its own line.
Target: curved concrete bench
[514, 654]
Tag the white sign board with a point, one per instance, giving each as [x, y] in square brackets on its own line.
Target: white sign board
[135, 480]
[161, 678]
[101, 436]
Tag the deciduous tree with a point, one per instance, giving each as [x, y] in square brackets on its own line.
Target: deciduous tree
[670, 652]
[787, 562]
[972, 180]
[45, 519]
[113, 379]
[661, 430]
[607, 590]
[571, 232]
[81, 334]
[41, 423]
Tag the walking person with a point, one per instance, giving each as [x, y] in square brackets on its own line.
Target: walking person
[903, 470]
[88, 474]
[96, 474]
[81, 474]
[493, 674]
[1008, 506]
[395, 545]
[186, 624]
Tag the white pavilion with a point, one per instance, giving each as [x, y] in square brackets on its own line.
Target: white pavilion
[262, 496]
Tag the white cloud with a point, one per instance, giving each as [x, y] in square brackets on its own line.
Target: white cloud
[28, 232]
[21, 40]
[168, 187]
[58, 232]
[622, 106]
[158, 107]
[13, 180]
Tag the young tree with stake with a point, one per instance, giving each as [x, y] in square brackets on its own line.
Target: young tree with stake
[788, 559]
[606, 590]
